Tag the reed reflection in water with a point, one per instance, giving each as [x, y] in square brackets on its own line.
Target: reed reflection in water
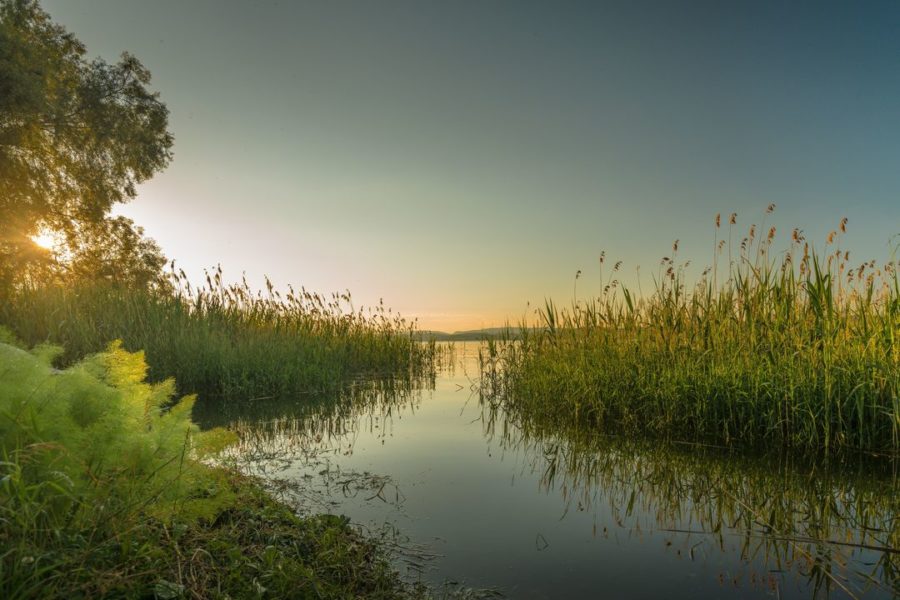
[541, 513]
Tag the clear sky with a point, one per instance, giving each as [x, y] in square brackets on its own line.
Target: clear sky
[459, 159]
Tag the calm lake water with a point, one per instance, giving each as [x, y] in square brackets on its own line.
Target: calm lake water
[465, 493]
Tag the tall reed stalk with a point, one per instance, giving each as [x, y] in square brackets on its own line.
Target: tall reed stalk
[224, 339]
[795, 349]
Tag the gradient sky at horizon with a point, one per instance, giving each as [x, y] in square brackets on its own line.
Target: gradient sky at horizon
[461, 159]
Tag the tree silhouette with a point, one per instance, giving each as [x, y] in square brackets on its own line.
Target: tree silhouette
[76, 137]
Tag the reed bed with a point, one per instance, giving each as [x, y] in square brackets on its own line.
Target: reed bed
[795, 349]
[224, 340]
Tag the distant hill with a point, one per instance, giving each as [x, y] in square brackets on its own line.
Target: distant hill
[472, 335]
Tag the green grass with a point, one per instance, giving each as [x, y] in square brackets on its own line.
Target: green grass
[224, 340]
[104, 492]
[793, 349]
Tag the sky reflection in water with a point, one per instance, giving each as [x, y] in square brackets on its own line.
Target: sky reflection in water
[500, 504]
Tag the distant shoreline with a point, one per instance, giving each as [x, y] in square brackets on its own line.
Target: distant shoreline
[472, 335]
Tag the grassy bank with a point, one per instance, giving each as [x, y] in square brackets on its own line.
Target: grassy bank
[104, 492]
[223, 340]
[791, 349]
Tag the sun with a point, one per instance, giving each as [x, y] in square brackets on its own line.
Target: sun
[45, 239]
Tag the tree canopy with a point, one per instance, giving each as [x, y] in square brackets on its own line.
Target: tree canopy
[76, 137]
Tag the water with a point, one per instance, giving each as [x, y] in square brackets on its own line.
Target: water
[464, 493]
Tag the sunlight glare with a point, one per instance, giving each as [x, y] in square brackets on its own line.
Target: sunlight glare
[45, 239]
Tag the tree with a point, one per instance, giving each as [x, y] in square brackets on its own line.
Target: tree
[116, 251]
[76, 137]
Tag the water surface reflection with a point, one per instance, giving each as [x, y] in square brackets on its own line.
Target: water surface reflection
[545, 514]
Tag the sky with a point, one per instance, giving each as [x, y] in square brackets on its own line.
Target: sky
[460, 160]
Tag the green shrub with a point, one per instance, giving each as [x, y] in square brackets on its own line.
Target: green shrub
[91, 452]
